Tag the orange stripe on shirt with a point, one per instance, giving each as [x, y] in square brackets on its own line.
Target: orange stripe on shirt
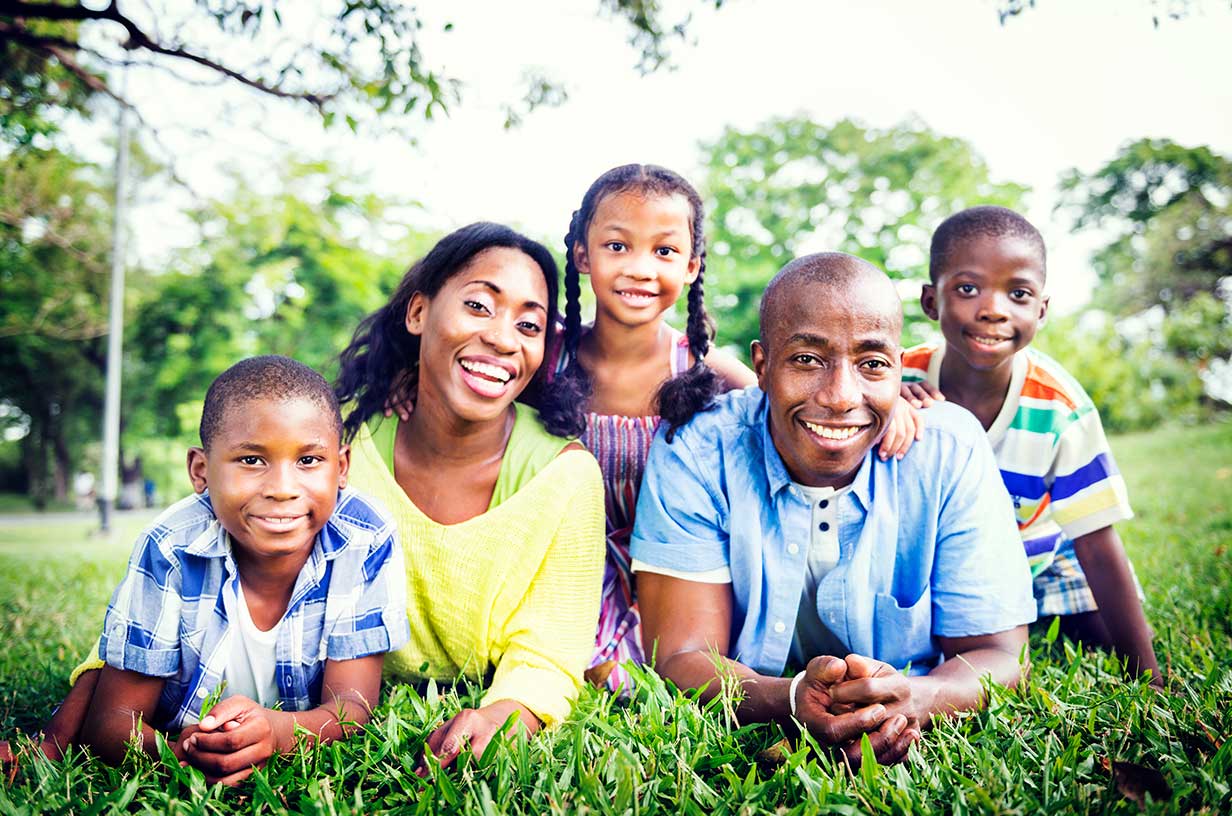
[917, 358]
[1042, 385]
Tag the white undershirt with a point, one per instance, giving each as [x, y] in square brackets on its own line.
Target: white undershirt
[250, 670]
[812, 636]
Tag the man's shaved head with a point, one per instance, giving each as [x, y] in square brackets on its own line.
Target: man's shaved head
[827, 276]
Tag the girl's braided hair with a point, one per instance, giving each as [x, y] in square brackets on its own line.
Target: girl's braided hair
[381, 364]
[687, 393]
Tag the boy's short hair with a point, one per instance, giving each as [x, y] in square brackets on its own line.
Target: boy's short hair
[271, 377]
[979, 222]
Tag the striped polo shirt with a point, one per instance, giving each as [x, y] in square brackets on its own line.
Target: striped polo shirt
[1051, 449]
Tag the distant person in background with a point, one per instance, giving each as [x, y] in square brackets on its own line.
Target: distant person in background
[500, 513]
[83, 490]
[987, 272]
[769, 534]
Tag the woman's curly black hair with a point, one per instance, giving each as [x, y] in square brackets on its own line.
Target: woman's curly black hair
[381, 363]
[690, 391]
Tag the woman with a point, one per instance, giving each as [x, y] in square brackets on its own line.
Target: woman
[500, 519]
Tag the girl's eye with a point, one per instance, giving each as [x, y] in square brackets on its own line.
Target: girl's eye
[666, 252]
[965, 289]
[250, 460]
[616, 246]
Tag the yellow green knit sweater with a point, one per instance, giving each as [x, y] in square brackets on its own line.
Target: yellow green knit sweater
[516, 588]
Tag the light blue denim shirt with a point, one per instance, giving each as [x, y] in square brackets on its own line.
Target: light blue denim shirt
[928, 545]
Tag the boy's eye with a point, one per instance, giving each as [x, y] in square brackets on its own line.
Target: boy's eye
[250, 460]
[308, 461]
[1020, 294]
[965, 289]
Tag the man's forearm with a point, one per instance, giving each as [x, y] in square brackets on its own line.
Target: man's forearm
[764, 699]
[1107, 570]
[957, 684]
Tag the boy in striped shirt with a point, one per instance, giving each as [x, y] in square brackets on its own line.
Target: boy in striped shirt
[986, 290]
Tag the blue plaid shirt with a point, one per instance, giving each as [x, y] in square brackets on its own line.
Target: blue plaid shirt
[174, 614]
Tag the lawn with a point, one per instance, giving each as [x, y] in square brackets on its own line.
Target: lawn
[1076, 738]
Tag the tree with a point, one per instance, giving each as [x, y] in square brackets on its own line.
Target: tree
[54, 222]
[348, 59]
[1168, 211]
[793, 186]
[1160, 9]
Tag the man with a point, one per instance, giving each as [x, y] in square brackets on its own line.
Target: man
[769, 534]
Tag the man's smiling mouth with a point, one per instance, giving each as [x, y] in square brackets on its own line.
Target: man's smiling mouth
[838, 434]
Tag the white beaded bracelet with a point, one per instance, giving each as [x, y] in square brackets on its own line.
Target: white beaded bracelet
[791, 692]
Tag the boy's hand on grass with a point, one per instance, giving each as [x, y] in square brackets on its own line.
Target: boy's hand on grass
[869, 682]
[816, 710]
[921, 394]
[236, 737]
[473, 728]
[905, 429]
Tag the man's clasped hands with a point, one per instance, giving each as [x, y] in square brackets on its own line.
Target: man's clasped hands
[839, 700]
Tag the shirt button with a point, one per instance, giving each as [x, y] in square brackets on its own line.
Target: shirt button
[824, 526]
[780, 627]
[823, 504]
[793, 548]
[201, 692]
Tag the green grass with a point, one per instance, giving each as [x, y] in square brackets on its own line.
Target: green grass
[1049, 746]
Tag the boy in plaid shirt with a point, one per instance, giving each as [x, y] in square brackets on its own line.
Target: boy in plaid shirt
[273, 586]
[986, 290]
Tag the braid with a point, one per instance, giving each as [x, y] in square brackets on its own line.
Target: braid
[694, 390]
[563, 406]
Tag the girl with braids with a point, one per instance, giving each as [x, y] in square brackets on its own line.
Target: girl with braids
[638, 238]
[499, 514]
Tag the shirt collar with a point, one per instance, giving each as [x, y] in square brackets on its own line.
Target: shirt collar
[777, 476]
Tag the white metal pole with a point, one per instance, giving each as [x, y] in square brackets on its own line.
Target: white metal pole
[115, 324]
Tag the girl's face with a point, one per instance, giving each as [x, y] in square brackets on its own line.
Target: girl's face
[638, 254]
[481, 335]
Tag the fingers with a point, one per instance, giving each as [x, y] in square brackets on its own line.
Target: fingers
[447, 742]
[860, 666]
[869, 690]
[890, 743]
[232, 736]
[921, 394]
[220, 765]
[825, 670]
[836, 729]
[896, 434]
[230, 780]
[229, 709]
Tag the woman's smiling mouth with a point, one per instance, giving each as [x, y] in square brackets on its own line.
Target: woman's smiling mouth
[485, 378]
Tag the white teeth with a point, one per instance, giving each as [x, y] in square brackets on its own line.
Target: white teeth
[495, 372]
[833, 433]
[987, 341]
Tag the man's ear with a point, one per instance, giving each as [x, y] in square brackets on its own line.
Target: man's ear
[928, 301]
[415, 310]
[581, 259]
[344, 465]
[196, 469]
[758, 354]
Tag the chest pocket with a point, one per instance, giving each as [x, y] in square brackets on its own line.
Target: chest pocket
[903, 634]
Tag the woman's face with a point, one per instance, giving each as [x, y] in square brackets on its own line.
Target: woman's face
[481, 335]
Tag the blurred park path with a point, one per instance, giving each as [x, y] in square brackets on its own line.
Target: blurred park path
[28, 519]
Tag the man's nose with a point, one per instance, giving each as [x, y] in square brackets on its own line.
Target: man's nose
[840, 389]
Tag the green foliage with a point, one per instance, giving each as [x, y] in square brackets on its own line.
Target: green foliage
[1169, 210]
[35, 88]
[1061, 743]
[793, 186]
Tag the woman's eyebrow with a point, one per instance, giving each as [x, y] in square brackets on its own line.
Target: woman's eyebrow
[530, 304]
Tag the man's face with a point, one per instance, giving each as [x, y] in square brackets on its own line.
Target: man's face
[831, 367]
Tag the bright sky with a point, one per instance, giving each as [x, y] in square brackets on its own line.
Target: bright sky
[1062, 85]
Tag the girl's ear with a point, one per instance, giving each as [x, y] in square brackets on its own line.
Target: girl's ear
[695, 268]
[197, 469]
[581, 260]
[416, 313]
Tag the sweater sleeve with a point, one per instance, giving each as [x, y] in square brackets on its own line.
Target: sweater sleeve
[547, 641]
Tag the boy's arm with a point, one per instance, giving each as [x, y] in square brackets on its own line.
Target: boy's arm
[239, 735]
[1103, 560]
[119, 712]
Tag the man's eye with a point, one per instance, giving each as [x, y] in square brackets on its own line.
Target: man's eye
[806, 359]
[876, 364]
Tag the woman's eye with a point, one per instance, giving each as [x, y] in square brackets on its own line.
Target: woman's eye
[475, 305]
[530, 327]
